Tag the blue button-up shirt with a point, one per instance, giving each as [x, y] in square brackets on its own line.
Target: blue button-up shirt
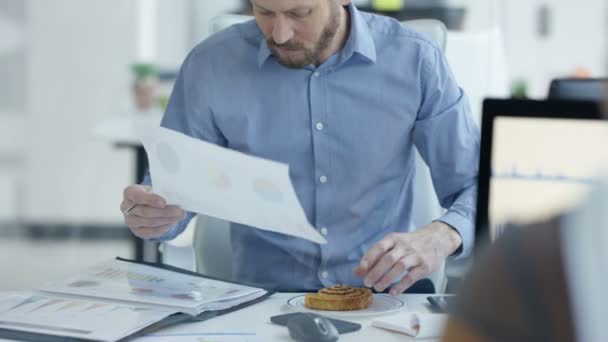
[347, 129]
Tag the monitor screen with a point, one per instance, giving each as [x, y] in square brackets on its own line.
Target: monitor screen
[542, 167]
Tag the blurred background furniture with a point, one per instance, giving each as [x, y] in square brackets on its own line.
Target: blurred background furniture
[207, 241]
[121, 133]
[452, 15]
[478, 61]
[590, 89]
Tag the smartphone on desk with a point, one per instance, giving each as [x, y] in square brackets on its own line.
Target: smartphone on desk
[442, 304]
[342, 326]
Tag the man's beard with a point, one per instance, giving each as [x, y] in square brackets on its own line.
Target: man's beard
[310, 56]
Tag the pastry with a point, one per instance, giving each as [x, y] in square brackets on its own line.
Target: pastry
[339, 298]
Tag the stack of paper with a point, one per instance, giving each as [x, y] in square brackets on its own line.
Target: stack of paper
[82, 319]
[114, 300]
[142, 284]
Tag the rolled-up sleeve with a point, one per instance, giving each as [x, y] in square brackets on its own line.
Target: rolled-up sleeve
[448, 140]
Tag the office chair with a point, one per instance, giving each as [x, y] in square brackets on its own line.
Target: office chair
[589, 89]
[479, 63]
[211, 239]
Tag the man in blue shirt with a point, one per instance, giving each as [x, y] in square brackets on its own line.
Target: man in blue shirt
[343, 97]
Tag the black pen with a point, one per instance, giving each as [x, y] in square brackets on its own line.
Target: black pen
[129, 209]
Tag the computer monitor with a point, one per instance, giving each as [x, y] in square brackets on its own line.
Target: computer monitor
[586, 89]
[538, 159]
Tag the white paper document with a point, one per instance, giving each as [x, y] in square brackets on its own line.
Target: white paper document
[208, 179]
[79, 318]
[145, 285]
[202, 337]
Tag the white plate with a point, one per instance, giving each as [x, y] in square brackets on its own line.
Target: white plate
[383, 304]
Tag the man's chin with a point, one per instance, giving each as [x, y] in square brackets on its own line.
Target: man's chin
[291, 63]
[295, 60]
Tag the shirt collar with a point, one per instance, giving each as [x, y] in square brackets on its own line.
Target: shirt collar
[359, 41]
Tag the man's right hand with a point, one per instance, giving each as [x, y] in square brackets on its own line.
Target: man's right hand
[151, 217]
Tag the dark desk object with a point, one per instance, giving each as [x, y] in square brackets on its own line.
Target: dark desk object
[310, 327]
[588, 89]
[452, 17]
[342, 326]
[139, 245]
[120, 132]
[442, 304]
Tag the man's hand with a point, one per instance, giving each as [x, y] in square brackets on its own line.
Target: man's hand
[419, 254]
[151, 217]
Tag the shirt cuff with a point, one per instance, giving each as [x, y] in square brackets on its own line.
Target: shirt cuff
[465, 228]
[176, 230]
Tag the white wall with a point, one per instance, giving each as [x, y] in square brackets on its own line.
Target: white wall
[577, 39]
[480, 14]
[179, 26]
[77, 74]
[12, 105]
[173, 32]
[204, 11]
[12, 165]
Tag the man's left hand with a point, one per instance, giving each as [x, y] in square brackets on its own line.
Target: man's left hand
[419, 254]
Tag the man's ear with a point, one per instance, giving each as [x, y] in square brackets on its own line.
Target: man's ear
[345, 2]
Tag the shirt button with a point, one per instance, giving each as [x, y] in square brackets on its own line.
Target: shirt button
[323, 179]
[324, 231]
[317, 74]
[319, 126]
[324, 274]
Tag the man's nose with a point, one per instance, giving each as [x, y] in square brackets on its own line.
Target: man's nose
[282, 32]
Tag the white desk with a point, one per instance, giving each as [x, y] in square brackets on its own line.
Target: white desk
[254, 323]
[256, 320]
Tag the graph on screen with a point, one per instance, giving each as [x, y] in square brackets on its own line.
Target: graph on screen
[543, 167]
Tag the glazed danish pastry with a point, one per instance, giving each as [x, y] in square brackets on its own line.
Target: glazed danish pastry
[339, 298]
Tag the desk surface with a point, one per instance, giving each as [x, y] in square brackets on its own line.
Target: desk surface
[252, 324]
[121, 130]
[256, 320]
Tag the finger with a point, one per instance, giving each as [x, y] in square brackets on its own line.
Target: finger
[151, 233]
[374, 253]
[143, 222]
[405, 264]
[151, 212]
[384, 265]
[413, 276]
[140, 195]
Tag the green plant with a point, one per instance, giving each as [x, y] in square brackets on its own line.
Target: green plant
[519, 89]
[144, 70]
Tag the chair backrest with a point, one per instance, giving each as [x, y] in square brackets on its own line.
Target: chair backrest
[479, 63]
[433, 29]
[589, 89]
[226, 20]
[211, 237]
